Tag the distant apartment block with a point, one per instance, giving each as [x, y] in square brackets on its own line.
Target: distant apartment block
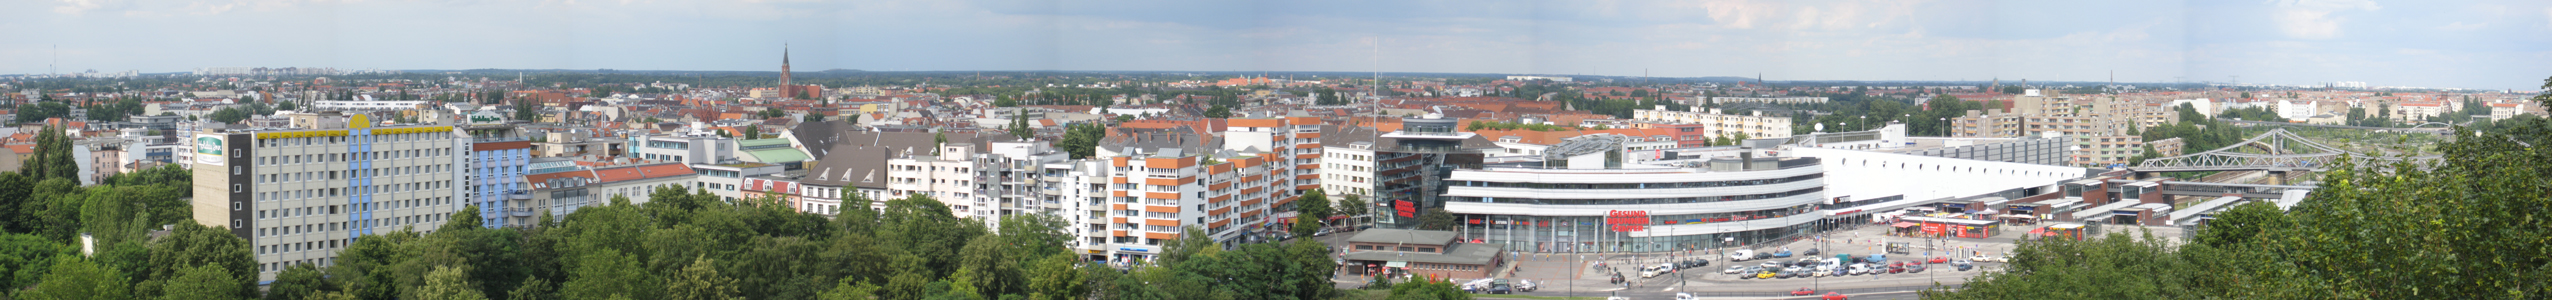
[1772, 100]
[1529, 78]
[1715, 124]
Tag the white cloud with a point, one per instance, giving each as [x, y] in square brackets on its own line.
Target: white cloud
[75, 7]
[2312, 19]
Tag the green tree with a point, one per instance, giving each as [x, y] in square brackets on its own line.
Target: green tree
[75, 278]
[192, 245]
[1019, 126]
[299, 281]
[1315, 203]
[1218, 111]
[1427, 290]
[1304, 225]
[700, 281]
[466, 218]
[1435, 219]
[1353, 206]
[533, 289]
[24, 257]
[202, 282]
[606, 274]
[847, 290]
[1055, 278]
[448, 283]
[229, 115]
[1082, 140]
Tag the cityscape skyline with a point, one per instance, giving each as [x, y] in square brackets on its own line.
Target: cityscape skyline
[2479, 45]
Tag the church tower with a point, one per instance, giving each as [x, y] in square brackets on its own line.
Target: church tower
[784, 69]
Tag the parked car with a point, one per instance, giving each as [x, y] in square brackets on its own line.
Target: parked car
[1740, 255]
[1964, 267]
[1678, 296]
[1811, 252]
[1323, 232]
[1760, 255]
[1734, 270]
[1766, 274]
[1501, 286]
[1836, 296]
[1803, 292]
[1876, 257]
[1838, 272]
[1858, 269]
[1940, 259]
[1522, 285]
[1783, 254]
[1896, 267]
[1914, 268]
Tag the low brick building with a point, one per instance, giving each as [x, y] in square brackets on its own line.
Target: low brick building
[1421, 253]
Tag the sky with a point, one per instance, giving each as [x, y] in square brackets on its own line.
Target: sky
[2484, 44]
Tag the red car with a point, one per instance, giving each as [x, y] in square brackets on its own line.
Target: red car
[1803, 292]
[1896, 267]
[1940, 259]
[1836, 296]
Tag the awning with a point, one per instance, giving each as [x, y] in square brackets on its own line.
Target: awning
[1905, 224]
[2020, 216]
[1396, 264]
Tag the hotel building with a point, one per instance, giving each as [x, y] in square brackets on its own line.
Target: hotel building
[299, 194]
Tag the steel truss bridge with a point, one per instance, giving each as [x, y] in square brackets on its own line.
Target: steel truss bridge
[2279, 157]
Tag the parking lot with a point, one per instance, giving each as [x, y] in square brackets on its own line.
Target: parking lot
[1591, 274]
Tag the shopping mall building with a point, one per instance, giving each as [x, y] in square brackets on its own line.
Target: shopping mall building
[1585, 197]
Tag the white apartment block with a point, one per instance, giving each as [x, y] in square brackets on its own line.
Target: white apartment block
[2503, 111]
[1754, 125]
[1774, 100]
[300, 194]
[946, 176]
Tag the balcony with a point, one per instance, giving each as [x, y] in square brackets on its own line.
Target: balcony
[519, 212]
[518, 195]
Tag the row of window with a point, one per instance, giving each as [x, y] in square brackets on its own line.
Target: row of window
[351, 156]
[360, 190]
[334, 175]
[279, 266]
[305, 141]
[1622, 186]
[1636, 200]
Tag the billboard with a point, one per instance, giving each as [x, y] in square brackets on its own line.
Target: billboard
[208, 149]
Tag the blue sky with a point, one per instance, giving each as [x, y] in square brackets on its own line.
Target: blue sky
[2492, 44]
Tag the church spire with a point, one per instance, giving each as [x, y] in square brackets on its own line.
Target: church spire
[784, 90]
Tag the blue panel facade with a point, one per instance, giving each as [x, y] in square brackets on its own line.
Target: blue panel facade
[497, 173]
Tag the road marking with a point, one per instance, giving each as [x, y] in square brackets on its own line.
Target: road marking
[1614, 289]
[1667, 290]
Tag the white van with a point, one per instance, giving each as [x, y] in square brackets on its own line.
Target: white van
[1740, 255]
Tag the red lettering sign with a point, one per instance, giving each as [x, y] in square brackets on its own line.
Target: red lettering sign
[1627, 220]
[1406, 208]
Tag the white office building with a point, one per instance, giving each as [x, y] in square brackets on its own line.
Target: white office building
[1566, 202]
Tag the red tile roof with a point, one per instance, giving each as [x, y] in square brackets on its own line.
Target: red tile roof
[643, 172]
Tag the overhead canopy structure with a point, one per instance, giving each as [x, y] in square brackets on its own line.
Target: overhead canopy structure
[2279, 158]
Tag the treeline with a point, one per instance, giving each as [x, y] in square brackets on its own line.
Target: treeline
[45, 211]
[2468, 227]
[683, 245]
